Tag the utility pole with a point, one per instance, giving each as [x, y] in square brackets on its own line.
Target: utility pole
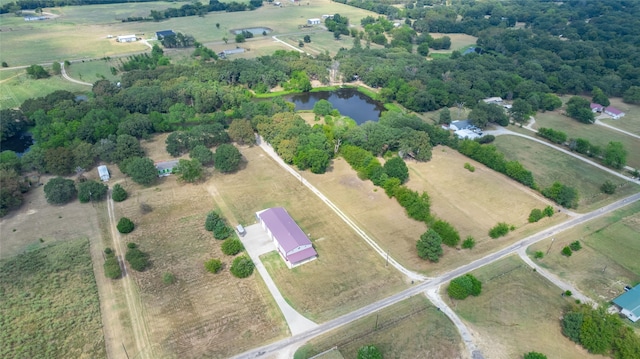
[377, 321]
[552, 239]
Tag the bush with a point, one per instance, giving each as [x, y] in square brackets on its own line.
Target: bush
[221, 230]
[468, 166]
[210, 222]
[535, 215]
[469, 243]
[449, 235]
[59, 190]
[232, 246]
[369, 352]
[548, 211]
[168, 278]
[567, 293]
[227, 158]
[111, 266]
[108, 251]
[534, 355]
[575, 246]
[463, 286]
[608, 187]
[500, 229]
[131, 245]
[137, 259]
[125, 225]
[92, 191]
[538, 255]
[563, 195]
[242, 267]
[397, 168]
[118, 193]
[566, 251]
[213, 265]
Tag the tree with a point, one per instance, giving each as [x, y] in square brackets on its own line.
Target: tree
[535, 215]
[225, 39]
[137, 259]
[213, 265]
[580, 109]
[232, 246]
[118, 193]
[369, 352]
[464, 286]
[469, 243]
[111, 266]
[59, 160]
[534, 355]
[307, 39]
[211, 220]
[11, 185]
[608, 187]
[445, 116]
[599, 97]
[312, 158]
[423, 49]
[125, 225]
[142, 170]
[189, 170]
[92, 191]
[227, 158]
[575, 246]
[59, 190]
[445, 230]
[56, 68]
[37, 72]
[397, 168]
[240, 131]
[566, 251]
[221, 230]
[548, 211]
[322, 108]
[520, 110]
[430, 246]
[615, 155]
[242, 267]
[632, 95]
[240, 38]
[499, 230]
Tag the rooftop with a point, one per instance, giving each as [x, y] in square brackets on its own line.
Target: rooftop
[613, 110]
[284, 228]
[630, 300]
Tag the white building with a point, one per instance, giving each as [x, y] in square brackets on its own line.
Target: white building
[104, 173]
[313, 21]
[127, 38]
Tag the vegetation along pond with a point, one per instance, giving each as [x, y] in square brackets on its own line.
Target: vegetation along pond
[349, 102]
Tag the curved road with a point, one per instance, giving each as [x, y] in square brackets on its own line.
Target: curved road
[64, 74]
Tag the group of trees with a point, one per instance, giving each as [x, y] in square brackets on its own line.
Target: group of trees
[59, 190]
[538, 214]
[218, 225]
[563, 195]
[137, 259]
[464, 286]
[199, 9]
[492, 158]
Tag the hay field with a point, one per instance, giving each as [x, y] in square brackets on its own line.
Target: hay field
[18, 87]
[631, 120]
[517, 312]
[387, 223]
[608, 259]
[549, 165]
[348, 273]
[413, 328]
[597, 135]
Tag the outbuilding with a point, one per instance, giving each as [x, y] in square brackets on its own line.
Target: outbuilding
[292, 244]
[596, 107]
[460, 125]
[166, 168]
[127, 38]
[103, 171]
[614, 112]
[313, 22]
[629, 303]
[164, 33]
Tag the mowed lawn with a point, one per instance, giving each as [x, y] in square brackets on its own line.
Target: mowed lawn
[347, 274]
[471, 202]
[413, 328]
[549, 165]
[608, 259]
[517, 312]
[92, 71]
[597, 135]
[18, 87]
[631, 120]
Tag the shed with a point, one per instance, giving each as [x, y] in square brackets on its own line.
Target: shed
[127, 38]
[293, 245]
[166, 168]
[629, 303]
[103, 171]
[313, 21]
[614, 112]
[164, 33]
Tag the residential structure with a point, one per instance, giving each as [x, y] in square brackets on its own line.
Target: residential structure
[127, 38]
[164, 33]
[313, 22]
[104, 173]
[166, 168]
[596, 107]
[460, 125]
[293, 245]
[629, 303]
[614, 112]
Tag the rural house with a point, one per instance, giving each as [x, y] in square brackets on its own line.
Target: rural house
[614, 112]
[127, 38]
[313, 22]
[164, 33]
[596, 107]
[166, 168]
[290, 241]
[104, 173]
[460, 125]
[629, 303]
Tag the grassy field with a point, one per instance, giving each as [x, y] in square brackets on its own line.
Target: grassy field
[597, 135]
[516, 313]
[488, 198]
[92, 71]
[458, 42]
[348, 273]
[631, 120]
[413, 328]
[17, 87]
[549, 165]
[608, 259]
[49, 305]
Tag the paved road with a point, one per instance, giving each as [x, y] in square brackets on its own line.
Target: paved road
[434, 282]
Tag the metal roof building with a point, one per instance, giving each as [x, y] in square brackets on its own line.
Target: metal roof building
[293, 245]
[629, 303]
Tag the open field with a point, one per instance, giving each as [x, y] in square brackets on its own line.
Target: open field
[387, 223]
[549, 165]
[516, 313]
[80, 31]
[347, 274]
[17, 88]
[631, 120]
[597, 135]
[608, 259]
[50, 305]
[92, 71]
[413, 328]
[459, 42]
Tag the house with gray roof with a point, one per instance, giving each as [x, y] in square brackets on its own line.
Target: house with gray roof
[629, 303]
[166, 168]
[460, 125]
[293, 245]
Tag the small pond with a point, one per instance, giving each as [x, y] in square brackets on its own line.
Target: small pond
[254, 30]
[350, 102]
[19, 144]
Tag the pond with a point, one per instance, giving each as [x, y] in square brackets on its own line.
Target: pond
[254, 30]
[19, 144]
[350, 102]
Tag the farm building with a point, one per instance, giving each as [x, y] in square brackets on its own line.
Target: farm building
[614, 112]
[290, 241]
[629, 303]
[313, 22]
[164, 33]
[127, 38]
[596, 107]
[493, 100]
[103, 171]
[35, 18]
[225, 53]
[166, 168]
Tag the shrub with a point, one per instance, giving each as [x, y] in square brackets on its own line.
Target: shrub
[369, 352]
[125, 225]
[131, 245]
[429, 246]
[137, 259]
[232, 246]
[608, 187]
[563, 195]
[535, 215]
[548, 211]
[534, 355]
[221, 230]
[463, 286]
[499, 230]
[567, 293]
[446, 231]
[575, 246]
[538, 255]
[210, 222]
[108, 251]
[566, 251]
[168, 278]
[397, 168]
[111, 266]
[468, 166]
[213, 265]
[469, 243]
[242, 267]
[118, 193]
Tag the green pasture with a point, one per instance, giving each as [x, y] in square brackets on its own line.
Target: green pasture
[597, 135]
[549, 165]
[608, 259]
[50, 306]
[14, 91]
[92, 71]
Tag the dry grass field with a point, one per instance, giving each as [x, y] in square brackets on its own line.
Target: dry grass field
[413, 328]
[472, 202]
[348, 273]
[517, 312]
[631, 120]
[549, 165]
[608, 259]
